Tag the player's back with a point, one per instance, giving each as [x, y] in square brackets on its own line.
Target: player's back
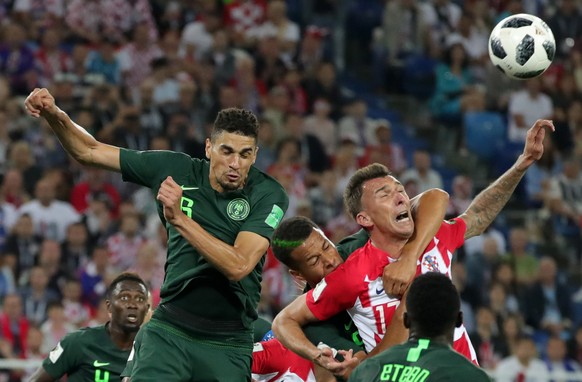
[419, 361]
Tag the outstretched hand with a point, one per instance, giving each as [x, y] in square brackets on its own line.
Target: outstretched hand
[170, 195]
[534, 141]
[40, 103]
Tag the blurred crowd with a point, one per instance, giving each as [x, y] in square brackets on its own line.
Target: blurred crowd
[153, 74]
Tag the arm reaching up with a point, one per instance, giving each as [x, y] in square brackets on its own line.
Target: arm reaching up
[81, 145]
[487, 205]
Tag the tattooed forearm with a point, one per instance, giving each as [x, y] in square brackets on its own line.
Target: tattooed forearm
[487, 205]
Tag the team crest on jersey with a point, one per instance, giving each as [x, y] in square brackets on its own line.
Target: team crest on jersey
[238, 209]
[430, 263]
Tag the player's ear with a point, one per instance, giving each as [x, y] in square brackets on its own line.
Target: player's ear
[363, 219]
[459, 320]
[108, 305]
[208, 147]
[297, 276]
[406, 320]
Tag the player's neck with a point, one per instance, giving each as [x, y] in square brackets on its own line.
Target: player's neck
[121, 338]
[391, 245]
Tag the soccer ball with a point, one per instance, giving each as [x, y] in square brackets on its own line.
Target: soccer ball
[522, 46]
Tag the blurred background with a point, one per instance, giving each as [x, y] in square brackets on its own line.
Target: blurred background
[337, 84]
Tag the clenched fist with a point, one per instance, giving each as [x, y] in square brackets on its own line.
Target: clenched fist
[40, 103]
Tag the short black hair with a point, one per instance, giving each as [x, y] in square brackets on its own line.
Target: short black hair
[125, 276]
[290, 234]
[237, 121]
[433, 304]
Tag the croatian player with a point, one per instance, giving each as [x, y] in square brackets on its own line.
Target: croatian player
[379, 204]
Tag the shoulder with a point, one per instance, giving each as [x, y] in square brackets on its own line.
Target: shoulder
[261, 184]
[351, 243]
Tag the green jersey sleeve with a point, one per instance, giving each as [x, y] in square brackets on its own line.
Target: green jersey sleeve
[64, 358]
[349, 244]
[339, 332]
[269, 201]
[150, 168]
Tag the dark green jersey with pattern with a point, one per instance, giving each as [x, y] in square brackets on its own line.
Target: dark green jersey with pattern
[87, 355]
[418, 361]
[191, 283]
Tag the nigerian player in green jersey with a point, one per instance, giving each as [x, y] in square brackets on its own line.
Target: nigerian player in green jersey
[99, 354]
[433, 311]
[219, 215]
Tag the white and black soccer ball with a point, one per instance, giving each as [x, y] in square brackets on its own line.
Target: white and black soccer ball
[522, 46]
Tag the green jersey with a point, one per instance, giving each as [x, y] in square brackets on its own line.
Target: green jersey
[87, 355]
[349, 244]
[339, 332]
[205, 299]
[418, 361]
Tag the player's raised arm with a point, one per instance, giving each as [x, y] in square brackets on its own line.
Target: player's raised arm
[486, 206]
[81, 145]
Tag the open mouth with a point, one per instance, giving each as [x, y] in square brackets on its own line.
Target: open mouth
[132, 318]
[402, 217]
[232, 177]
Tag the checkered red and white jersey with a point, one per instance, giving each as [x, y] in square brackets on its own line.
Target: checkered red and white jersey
[272, 362]
[356, 286]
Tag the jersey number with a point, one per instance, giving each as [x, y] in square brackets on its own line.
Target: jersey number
[383, 315]
[186, 205]
[99, 378]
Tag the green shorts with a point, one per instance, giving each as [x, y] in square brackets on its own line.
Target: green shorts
[163, 353]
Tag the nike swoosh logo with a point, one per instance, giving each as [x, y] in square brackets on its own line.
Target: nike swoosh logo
[379, 290]
[99, 364]
[188, 188]
[348, 326]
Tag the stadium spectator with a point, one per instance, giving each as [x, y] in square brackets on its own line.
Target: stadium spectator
[320, 125]
[556, 358]
[385, 151]
[22, 246]
[77, 312]
[76, 248]
[17, 61]
[55, 327]
[21, 159]
[36, 296]
[51, 57]
[115, 18]
[95, 181]
[522, 365]
[51, 217]
[422, 172]
[548, 302]
[520, 255]
[14, 325]
[525, 107]
[357, 124]
[136, 56]
[198, 35]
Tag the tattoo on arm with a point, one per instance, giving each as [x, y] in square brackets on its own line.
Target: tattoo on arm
[487, 205]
